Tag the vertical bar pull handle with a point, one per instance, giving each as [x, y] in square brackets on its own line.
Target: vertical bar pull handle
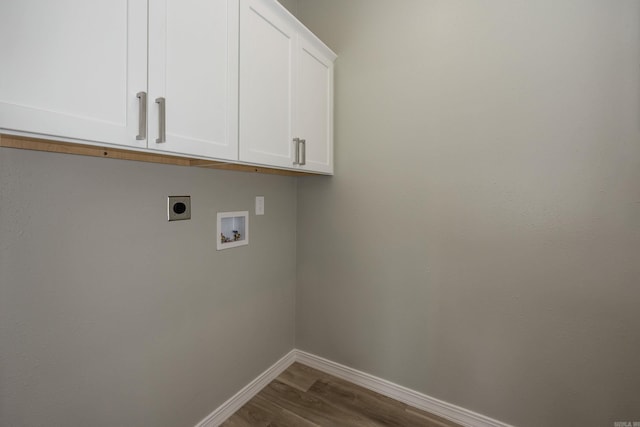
[304, 152]
[142, 116]
[296, 146]
[162, 124]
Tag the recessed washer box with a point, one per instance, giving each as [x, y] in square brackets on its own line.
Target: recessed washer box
[178, 208]
[233, 229]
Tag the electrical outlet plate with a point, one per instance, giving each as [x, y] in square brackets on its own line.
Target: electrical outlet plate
[178, 208]
[259, 205]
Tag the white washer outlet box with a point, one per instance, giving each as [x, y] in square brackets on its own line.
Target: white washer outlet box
[233, 229]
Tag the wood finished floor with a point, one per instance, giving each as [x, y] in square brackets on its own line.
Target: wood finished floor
[305, 397]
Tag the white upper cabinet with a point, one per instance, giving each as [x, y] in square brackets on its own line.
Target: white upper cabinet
[72, 68]
[286, 91]
[235, 80]
[313, 122]
[267, 84]
[77, 69]
[193, 77]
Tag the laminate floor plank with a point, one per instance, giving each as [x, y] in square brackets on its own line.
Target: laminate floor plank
[260, 412]
[311, 408]
[366, 393]
[373, 405]
[236, 420]
[305, 397]
[372, 400]
[300, 376]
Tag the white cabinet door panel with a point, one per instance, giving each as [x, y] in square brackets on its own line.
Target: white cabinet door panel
[193, 57]
[267, 46]
[314, 112]
[72, 68]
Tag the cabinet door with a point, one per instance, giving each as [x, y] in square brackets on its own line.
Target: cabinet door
[267, 43]
[193, 65]
[71, 68]
[314, 108]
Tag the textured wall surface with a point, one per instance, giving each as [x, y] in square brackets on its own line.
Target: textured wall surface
[480, 241]
[112, 316]
[290, 5]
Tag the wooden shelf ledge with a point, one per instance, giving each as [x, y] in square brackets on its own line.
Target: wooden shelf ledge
[24, 143]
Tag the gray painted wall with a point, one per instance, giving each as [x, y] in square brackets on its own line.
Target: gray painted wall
[110, 315]
[290, 5]
[480, 241]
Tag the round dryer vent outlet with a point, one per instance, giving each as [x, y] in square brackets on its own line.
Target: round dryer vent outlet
[179, 208]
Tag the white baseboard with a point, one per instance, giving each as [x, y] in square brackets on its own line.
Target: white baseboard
[229, 407]
[413, 398]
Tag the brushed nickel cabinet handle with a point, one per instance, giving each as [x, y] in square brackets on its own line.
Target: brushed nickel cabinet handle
[142, 116]
[296, 144]
[162, 125]
[303, 142]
